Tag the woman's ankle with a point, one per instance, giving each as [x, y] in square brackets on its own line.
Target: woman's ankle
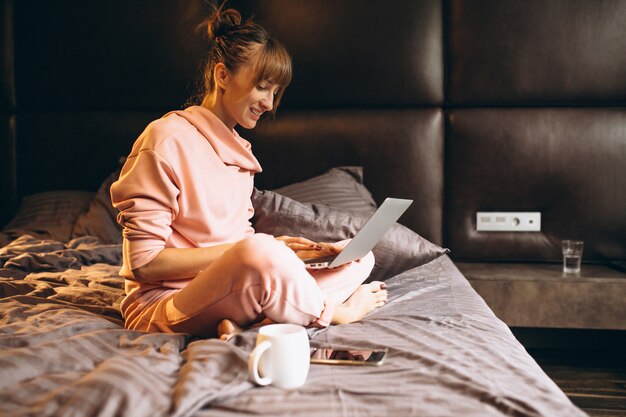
[343, 314]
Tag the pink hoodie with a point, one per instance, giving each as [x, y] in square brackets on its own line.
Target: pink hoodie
[186, 183]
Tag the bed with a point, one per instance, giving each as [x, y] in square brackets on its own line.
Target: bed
[64, 350]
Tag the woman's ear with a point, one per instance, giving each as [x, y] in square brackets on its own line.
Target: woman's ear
[221, 75]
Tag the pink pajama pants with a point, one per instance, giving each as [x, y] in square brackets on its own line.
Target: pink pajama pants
[259, 278]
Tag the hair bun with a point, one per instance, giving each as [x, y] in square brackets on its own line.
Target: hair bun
[222, 21]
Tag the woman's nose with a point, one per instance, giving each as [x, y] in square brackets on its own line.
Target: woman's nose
[268, 101]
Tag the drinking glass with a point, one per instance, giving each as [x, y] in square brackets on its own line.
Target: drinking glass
[572, 255]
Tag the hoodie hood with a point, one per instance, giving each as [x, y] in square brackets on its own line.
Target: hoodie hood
[231, 148]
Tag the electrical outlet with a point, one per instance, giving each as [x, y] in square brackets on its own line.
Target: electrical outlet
[495, 221]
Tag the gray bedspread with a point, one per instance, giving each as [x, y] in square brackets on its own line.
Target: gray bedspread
[64, 351]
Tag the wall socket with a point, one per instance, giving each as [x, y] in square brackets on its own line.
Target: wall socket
[496, 221]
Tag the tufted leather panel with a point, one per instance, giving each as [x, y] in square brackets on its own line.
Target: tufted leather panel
[7, 108]
[536, 51]
[401, 152]
[74, 151]
[121, 53]
[358, 53]
[132, 54]
[7, 82]
[566, 163]
[8, 190]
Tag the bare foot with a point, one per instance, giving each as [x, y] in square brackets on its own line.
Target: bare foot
[227, 329]
[365, 299]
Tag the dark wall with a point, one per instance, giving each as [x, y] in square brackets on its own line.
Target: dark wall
[368, 90]
[358, 53]
[464, 106]
[89, 77]
[8, 188]
[535, 122]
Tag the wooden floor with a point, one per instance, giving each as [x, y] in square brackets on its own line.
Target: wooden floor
[594, 380]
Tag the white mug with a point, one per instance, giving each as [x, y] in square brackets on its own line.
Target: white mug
[281, 356]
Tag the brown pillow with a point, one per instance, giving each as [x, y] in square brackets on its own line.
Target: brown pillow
[399, 250]
[100, 219]
[338, 187]
[48, 215]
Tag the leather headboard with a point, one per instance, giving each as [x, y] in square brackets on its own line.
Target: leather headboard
[568, 164]
[537, 52]
[75, 55]
[461, 105]
[7, 113]
[401, 152]
[533, 125]
[356, 53]
[347, 87]
[90, 77]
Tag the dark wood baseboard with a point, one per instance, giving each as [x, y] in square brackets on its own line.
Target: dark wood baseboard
[589, 366]
[571, 339]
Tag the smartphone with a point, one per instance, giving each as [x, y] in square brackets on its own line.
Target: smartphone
[347, 356]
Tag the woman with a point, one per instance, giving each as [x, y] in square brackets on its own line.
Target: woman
[192, 261]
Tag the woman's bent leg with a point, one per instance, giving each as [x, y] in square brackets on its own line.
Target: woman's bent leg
[259, 277]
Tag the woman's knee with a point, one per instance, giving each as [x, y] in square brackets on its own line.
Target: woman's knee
[269, 265]
[368, 261]
[264, 253]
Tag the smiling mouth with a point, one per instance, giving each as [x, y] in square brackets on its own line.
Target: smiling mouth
[255, 112]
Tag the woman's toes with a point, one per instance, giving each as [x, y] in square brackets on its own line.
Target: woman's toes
[227, 329]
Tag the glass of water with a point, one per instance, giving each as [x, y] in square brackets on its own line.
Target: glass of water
[572, 255]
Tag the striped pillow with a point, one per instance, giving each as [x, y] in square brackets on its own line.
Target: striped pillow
[399, 250]
[48, 215]
[100, 219]
[340, 187]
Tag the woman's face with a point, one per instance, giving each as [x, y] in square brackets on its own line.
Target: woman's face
[244, 99]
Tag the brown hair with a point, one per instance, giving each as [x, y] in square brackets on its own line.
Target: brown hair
[235, 44]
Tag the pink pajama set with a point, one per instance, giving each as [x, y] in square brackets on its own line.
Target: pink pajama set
[187, 183]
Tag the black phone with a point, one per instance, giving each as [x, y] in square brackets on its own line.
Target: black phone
[348, 356]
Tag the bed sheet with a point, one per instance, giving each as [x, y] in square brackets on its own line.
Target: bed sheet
[64, 351]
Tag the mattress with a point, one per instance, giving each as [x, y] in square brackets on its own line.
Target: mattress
[64, 351]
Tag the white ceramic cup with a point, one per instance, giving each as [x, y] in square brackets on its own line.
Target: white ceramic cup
[281, 356]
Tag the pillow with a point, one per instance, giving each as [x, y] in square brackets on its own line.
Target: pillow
[399, 250]
[339, 187]
[48, 215]
[100, 219]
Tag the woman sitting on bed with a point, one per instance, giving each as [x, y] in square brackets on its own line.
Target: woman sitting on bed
[192, 261]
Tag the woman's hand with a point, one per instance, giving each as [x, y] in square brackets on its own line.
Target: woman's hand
[307, 249]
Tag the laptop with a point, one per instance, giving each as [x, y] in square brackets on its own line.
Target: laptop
[369, 235]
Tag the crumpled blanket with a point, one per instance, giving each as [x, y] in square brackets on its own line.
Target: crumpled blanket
[31, 254]
[64, 351]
